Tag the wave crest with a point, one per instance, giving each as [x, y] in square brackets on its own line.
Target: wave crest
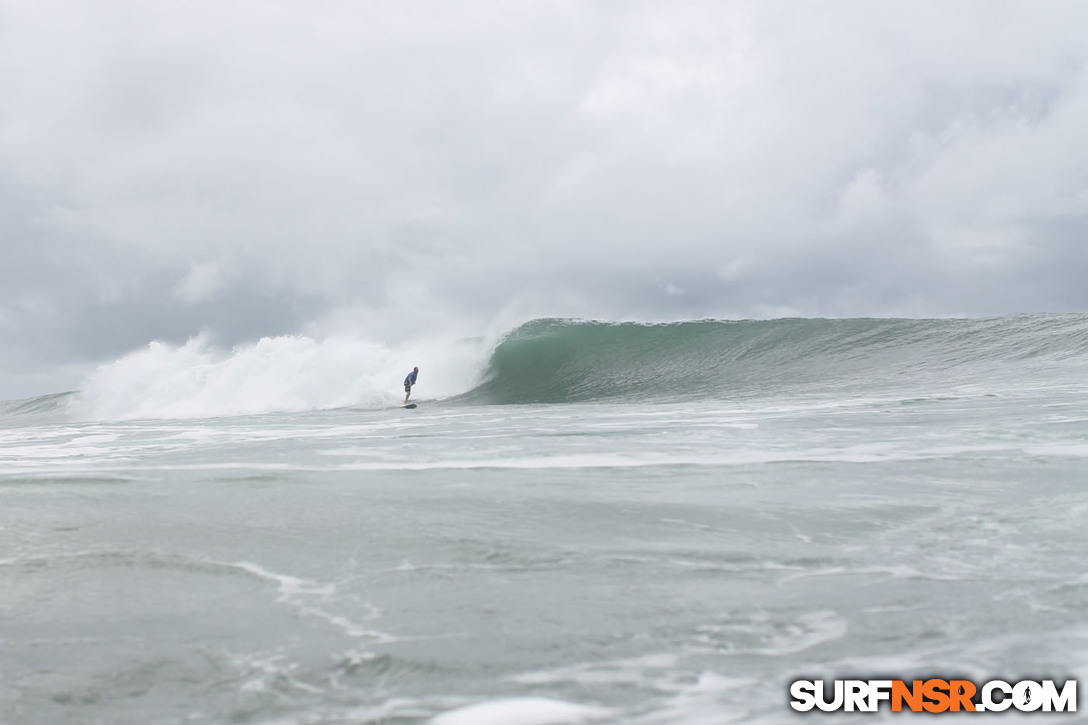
[559, 361]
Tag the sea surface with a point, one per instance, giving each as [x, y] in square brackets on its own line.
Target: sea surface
[612, 523]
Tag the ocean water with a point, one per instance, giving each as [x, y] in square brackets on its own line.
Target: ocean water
[587, 523]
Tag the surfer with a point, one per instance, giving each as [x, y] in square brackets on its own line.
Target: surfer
[409, 382]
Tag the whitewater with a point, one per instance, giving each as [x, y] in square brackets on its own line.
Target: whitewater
[583, 522]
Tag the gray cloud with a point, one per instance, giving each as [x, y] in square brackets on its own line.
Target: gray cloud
[396, 169]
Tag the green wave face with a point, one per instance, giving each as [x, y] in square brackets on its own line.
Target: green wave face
[43, 410]
[558, 361]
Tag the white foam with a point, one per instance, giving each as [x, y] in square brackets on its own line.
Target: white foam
[276, 374]
[298, 593]
[263, 672]
[895, 571]
[707, 701]
[394, 708]
[808, 631]
[649, 672]
[522, 711]
[288, 585]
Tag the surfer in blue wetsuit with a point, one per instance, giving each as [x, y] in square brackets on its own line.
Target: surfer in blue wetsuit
[409, 382]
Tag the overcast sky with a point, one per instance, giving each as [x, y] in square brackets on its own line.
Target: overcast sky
[392, 169]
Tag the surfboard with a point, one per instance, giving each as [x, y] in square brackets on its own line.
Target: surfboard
[410, 406]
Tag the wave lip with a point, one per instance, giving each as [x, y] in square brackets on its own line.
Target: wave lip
[563, 361]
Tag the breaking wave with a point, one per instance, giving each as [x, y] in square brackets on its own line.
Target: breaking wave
[276, 374]
[567, 361]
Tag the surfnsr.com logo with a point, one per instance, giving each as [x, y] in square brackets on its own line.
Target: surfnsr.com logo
[933, 695]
